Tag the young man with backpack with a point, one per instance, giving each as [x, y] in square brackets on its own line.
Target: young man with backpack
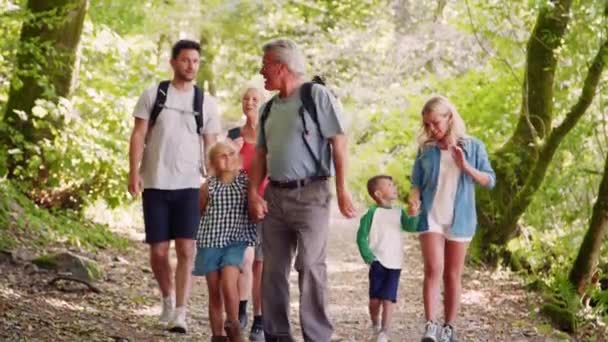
[300, 143]
[174, 124]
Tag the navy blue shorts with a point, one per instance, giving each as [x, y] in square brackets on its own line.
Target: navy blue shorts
[171, 214]
[383, 282]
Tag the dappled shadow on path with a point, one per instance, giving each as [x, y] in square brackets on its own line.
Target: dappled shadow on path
[494, 306]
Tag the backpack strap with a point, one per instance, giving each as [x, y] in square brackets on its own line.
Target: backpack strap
[264, 116]
[159, 102]
[161, 98]
[308, 105]
[197, 108]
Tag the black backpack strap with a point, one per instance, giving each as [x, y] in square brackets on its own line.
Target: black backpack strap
[308, 105]
[197, 108]
[264, 117]
[159, 102]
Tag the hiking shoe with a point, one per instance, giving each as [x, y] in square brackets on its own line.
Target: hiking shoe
[178, 323]
[219, 339]
[257, 333]
[233, 331]
[382, 336]
[168, 305]
[447, 334]
[432, 332]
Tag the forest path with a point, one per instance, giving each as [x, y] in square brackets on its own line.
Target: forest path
[494, 306]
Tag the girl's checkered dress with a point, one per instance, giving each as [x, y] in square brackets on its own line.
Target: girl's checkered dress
[225, 220]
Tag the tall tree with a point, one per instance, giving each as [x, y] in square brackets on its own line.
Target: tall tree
[522, 162]
[44, 69]
[587, 259]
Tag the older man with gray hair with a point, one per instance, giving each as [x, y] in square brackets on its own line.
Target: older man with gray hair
[299, 151]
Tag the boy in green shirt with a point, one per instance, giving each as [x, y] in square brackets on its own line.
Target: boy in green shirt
[380, 243]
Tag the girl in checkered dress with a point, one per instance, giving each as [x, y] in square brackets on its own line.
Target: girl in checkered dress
[224, 233]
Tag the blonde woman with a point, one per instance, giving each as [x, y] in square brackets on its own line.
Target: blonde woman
[250, 279]
[448, 165]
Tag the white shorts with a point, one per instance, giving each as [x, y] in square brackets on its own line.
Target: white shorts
[447, 234]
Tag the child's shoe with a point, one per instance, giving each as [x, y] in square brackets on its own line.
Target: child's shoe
[233, 330]
[373, 333]
[447, 334]
[382, 336]
[257, 333]
[219, 339]
[432, 332]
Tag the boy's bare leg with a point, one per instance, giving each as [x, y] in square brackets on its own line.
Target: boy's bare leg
[388, 308]
[374, 311]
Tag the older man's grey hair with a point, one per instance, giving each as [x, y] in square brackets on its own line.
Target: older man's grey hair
[286, 51]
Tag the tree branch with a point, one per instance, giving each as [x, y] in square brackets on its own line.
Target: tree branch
[557, 135]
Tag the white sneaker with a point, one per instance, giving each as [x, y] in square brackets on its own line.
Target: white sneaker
[382, 336]
[374, 330]
[178, 323]
[168, 305]
[432, 332]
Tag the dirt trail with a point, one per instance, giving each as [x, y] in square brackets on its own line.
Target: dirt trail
[494, 307]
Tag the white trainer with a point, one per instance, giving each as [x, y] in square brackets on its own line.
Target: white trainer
[168, 305]
[178, 323]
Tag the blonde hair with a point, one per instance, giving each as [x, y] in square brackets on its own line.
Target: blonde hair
[441, 105]
[216, 149]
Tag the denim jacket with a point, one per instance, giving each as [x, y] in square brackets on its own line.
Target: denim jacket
[425, 175]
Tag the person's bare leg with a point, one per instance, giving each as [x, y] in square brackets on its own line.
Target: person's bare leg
[455, 253]
[258, 267]
[374, 311]
[183, 273]
[388, 308]
[432, 247]
[159, 262]
[216, 304]
[245, 283]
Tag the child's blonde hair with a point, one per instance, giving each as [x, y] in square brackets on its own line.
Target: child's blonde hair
[219, 147]
[442, 106]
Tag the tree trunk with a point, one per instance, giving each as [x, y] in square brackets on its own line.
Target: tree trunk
[521, 164]
[588, 256]
[206, 77]
[46, 63]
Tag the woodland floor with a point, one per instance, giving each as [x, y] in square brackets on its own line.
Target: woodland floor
[495, 307]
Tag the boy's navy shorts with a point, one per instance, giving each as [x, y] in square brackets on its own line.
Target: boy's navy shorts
[171, 214]
[383, 282]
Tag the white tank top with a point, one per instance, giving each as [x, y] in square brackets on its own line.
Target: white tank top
[442, 209]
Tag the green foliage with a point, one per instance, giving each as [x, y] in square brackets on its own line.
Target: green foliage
[22, 223]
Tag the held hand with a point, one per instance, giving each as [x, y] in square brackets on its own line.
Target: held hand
[258, 208]
[458, 156]
[413, 207]
[345, 204]
[238, 143]
[136, 184]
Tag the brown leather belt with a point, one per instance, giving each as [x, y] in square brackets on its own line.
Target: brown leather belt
[298, 183]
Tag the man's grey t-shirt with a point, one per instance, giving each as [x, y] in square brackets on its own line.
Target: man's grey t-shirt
[172, 153]
[287, 156]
